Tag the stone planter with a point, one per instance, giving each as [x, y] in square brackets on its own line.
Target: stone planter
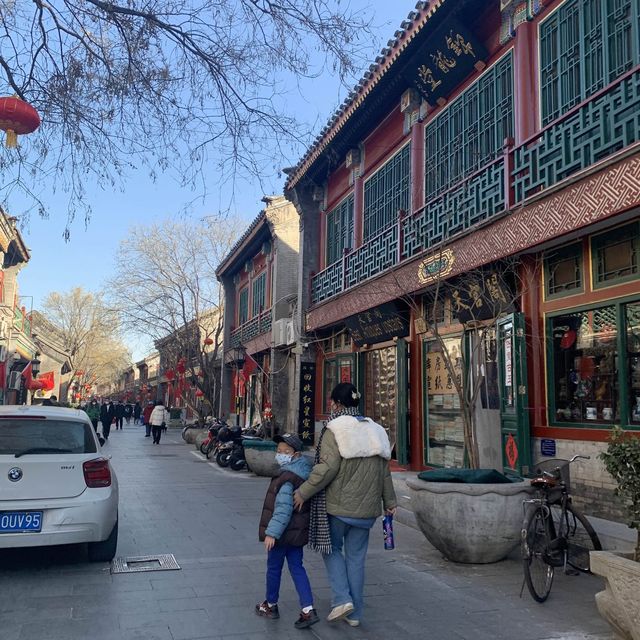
[191, 435]
[470, 523]
[619, 603]
[261, 457]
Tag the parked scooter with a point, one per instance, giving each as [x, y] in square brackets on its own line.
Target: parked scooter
[231, 451]
[210, 443]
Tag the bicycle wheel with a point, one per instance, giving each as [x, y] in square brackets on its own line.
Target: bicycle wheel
[538, 573]
[581, 538]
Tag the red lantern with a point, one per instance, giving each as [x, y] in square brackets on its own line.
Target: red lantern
[208, 341]
[199, 393]
[17, 117]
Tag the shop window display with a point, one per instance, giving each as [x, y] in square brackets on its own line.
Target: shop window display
[632, 314]
[444, 415]
[338, 369]
[585, 366]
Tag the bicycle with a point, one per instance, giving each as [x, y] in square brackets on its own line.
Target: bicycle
[554, 532]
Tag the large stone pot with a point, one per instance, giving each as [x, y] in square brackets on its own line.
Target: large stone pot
[470, 523]
[261, 457]
[191, 435]
[619, 603]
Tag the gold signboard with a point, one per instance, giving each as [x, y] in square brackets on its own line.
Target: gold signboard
[438, 266]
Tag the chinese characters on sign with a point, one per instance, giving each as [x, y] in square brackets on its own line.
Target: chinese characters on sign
[483, 297]
[439, 380]
[306, 418]
[377, 325]
[445, 61]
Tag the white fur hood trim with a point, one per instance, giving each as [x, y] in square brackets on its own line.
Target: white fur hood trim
[358, 439]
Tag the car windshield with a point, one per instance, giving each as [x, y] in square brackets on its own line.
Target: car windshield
[39, 437]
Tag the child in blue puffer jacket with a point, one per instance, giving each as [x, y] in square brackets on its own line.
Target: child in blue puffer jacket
[285, 531]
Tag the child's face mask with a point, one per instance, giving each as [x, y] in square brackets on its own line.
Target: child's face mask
[283, 458]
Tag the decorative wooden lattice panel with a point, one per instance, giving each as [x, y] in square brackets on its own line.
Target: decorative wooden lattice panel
[327, 283]
[596, 130]
[373, 258]
[339, 230]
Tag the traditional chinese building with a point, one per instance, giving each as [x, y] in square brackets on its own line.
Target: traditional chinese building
[260, 282]
[484, 173]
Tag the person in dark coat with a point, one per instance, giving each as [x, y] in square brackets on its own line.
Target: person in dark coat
[107, 416]
[137, 412]
[285, 531]
[146, 416]
[128, 412]
[119, 415]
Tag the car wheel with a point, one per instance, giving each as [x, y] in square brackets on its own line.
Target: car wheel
[106, 550]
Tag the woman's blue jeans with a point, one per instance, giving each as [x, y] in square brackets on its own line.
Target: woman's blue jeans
[345, 564]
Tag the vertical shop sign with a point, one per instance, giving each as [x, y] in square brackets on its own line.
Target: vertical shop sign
[508, 375]
[306, 418]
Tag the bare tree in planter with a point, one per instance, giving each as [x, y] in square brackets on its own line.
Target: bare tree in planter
[167, 292]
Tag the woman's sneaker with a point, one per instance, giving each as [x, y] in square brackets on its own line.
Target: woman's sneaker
[263, 609]
[352, 622]
[341, 611]
[306, 619]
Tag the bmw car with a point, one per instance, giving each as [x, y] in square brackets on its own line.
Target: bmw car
[56, 486]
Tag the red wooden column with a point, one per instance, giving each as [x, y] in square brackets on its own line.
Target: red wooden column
[416, 431]
[525, 82]
[358, 206]
[535, 339]
[417, 167]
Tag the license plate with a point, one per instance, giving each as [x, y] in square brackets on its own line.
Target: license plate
[20, 521]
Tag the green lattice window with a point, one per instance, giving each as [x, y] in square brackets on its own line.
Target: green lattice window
[259, 293]
[563, 270]
[339, 230]
[584, 46]
[616, 255]
[243, 306]
[471, 131]
[386, 192]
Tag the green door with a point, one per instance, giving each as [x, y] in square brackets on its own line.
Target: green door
[514, 415]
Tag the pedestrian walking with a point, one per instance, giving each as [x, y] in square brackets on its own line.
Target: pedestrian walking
[349, 484]
[285, 531]
[93, 411]
[119, 415]
[107, 416]
[146, 419]
[128, 412]
[137, 412]
[158, 419]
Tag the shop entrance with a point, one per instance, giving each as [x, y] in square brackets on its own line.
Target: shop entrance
[514, 417]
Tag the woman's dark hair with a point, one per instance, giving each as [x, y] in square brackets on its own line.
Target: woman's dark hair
[345, 394]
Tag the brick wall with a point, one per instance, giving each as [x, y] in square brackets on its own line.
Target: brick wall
[592, 487]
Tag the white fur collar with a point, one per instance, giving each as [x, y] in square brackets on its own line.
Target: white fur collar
[358, 439]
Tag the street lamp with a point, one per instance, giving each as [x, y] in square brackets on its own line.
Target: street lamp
[35, 366]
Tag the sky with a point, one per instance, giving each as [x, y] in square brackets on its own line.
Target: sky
[87, 259]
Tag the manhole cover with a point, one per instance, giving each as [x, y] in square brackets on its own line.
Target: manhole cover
[138, 564]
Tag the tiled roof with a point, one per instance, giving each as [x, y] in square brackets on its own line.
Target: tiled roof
[409, 29]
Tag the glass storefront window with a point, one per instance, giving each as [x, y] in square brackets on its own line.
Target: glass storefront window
[632, 315]
[585, 366]
[338, 369]
[444, 415]
[381, 389]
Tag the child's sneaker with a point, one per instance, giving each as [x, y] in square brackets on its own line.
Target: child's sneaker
[306, 619]
[263, 609]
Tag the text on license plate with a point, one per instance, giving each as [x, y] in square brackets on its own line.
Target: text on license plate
[12, 521]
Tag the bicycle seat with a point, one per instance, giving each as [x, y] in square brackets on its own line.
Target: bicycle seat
[543, 482]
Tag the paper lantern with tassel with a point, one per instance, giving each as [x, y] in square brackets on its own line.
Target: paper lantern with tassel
[17, 117]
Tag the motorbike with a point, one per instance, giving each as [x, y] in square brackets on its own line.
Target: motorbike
[209, 444]
[231, 451]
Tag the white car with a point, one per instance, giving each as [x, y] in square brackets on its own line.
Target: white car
[56, 487]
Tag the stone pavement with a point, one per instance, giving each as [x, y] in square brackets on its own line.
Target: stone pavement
[173, 501]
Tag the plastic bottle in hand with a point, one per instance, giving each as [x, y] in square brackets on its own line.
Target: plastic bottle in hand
[387, 529]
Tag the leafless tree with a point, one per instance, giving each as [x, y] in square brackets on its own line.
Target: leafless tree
[166, 84]
[88, 330]
[167, 292]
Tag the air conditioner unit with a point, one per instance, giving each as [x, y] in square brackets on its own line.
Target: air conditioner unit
[291, 333]
[15, 379]
[279, 332]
